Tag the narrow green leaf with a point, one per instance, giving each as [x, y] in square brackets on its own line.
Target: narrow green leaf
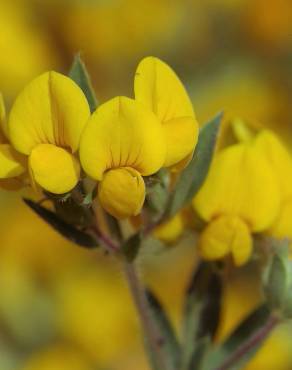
[193, 176]
[240, 335]
[201, 312]
[131, 247]
[170, 343]
[114, 226]
[198, 357]
[68, 231]
[73, 213]
[210, 313]
[79, 74]
[276, 277]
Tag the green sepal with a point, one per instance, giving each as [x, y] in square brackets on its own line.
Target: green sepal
[157, 192]
[67, 230]
[193, 176]
[78, 73]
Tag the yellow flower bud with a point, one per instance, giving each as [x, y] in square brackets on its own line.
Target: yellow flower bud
[171, 230]
[122, 192]
[224, 235]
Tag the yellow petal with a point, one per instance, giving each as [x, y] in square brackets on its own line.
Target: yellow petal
[52, 109]
[242, 183]
[181, 138]
[279, 158]
[122, 133]
[53, 168]
[171, 230]
[11, 162]
[282, 227]
[3, 122]
[122, 192]
[158, 87]
[226, 235]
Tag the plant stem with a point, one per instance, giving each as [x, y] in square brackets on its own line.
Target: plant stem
[152, 335]
[250, 344]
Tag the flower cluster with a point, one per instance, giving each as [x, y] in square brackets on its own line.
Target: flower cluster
[50, 127]
[247, 191]
[53, 140]
[144, 159]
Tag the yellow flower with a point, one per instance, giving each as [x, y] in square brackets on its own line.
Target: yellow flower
[122, 142]
[240, 196]
[45, 124]
[281, 162]
[160, 90]
[171, 230]
[11, 163]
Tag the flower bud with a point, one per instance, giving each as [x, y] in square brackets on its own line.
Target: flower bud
[122, 192]
[278, 282]
[171, 230]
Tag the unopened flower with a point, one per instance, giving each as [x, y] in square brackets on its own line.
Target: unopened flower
[160, 90]
[12, 164]
[240, 196]
[171, 230]
[122, 142]
[45, 124]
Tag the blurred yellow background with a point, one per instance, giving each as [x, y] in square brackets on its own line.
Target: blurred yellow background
[65, 308]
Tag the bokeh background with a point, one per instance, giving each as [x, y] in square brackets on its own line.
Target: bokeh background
[64, 308]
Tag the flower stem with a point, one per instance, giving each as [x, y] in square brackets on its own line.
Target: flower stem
[153, 337]
[251, 343]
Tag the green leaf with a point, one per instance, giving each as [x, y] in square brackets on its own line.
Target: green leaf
[157, 192]
[201, 313]
[65, 229]
[79, 74]
[170, 343]
[193, 176]
[198, 357]
[276, 277]
[131, 247]
[73, 213]
[240, 336]
[114, 226]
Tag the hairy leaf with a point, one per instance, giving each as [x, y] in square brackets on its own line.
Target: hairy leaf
[70, 232]
[79, 74]
[170, 343]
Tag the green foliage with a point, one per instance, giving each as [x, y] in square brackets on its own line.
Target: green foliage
[157, 192]
[67, 230]
[193, 176]
[201, 315]
[170, 342]
[239, 337]
[79, 74]
[277, 280]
